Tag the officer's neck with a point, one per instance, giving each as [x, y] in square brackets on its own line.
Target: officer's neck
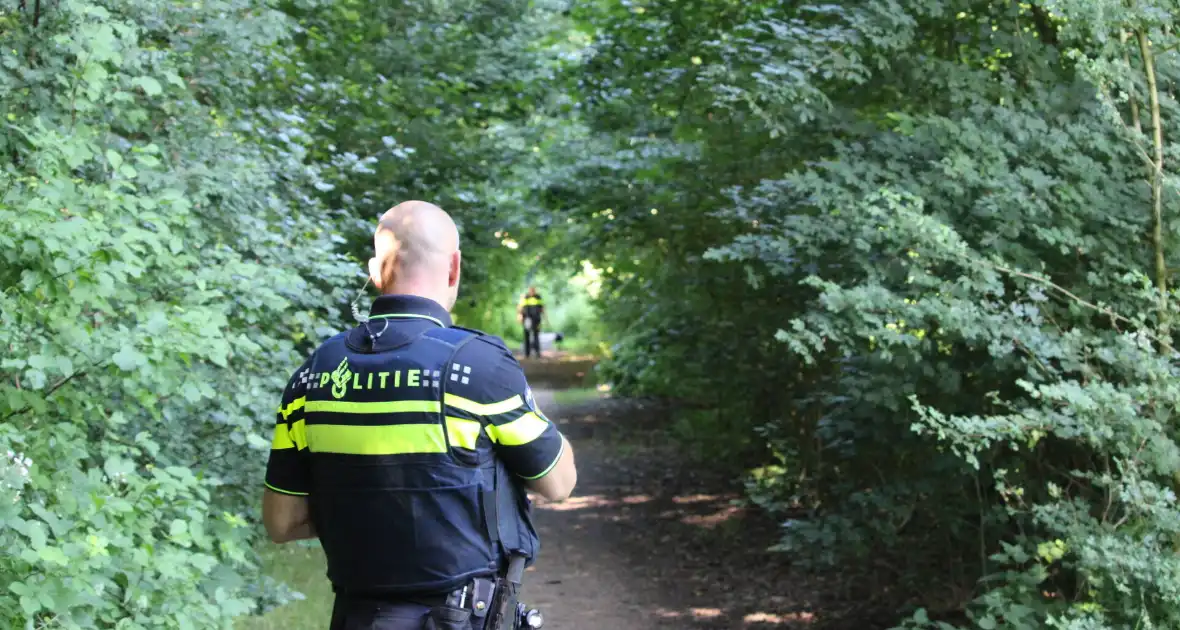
[421, 290]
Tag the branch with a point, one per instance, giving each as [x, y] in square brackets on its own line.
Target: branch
[1114, 317]
[1157, 181]
[56, 386]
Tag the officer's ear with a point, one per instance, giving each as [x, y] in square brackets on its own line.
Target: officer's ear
[375, 273]
[453, 274]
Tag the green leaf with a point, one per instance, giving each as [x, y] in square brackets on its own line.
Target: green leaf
[35, 379]
[54, 555]
[191, 392]
[29, 604]
[57, 525]
[46, 599]
[127, 359]
[115, 159]
[218, 353]
[157, 323]
[150, 86]
[257, 442]
[116, 467]
[77, 154]
[17, 400]
[38, 535]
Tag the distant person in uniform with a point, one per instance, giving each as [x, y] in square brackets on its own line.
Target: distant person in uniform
[529, 313]
[406, 445]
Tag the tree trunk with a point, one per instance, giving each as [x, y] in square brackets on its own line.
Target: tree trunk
[1157, 182]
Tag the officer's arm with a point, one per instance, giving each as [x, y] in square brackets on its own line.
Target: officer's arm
[285, 512]
[286, 518]
[526, 441]
[559, 482]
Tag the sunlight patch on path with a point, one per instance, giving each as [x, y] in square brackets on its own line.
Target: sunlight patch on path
[768, 618]
[699, 498]
[709, 521]
[591, 501]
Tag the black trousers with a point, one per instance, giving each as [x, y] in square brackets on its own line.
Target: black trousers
[352, 613]
[532, 338]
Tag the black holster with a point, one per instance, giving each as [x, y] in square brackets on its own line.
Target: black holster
[468, 608]
[504, 616]
[505, 611]
[447, 618]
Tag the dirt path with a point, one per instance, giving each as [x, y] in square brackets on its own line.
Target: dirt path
[580, 581]
[646, 543]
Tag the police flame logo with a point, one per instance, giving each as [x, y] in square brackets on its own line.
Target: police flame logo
[340, 378]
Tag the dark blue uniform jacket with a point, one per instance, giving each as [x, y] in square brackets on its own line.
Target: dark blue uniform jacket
[412, 450]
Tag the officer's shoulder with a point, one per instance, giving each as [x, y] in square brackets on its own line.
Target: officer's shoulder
[482, 342]
[339, 339]
[330, 346]
[327, 344]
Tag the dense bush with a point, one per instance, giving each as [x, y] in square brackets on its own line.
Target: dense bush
[910, 246]
[173, 207]
[158, 256]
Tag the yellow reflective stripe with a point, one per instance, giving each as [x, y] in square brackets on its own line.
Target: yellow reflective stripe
[282, 438]
[281, 491]
[394, 406]
[463, 432]
[295, 405]
[299, 435]
[481, 409]
[520, 431]
[390, 439]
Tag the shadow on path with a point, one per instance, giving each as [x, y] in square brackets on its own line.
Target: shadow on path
[648, 542]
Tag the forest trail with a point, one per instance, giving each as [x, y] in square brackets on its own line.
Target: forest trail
[645, 541]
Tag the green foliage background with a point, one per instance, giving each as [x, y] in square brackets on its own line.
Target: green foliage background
[903, 253]
[186, 189]
[905, 257]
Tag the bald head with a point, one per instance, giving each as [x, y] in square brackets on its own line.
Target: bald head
[416, 252]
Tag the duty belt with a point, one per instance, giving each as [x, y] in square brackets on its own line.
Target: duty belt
[492, 602]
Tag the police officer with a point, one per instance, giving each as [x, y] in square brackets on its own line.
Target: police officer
[406, 446]
[529, 313]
